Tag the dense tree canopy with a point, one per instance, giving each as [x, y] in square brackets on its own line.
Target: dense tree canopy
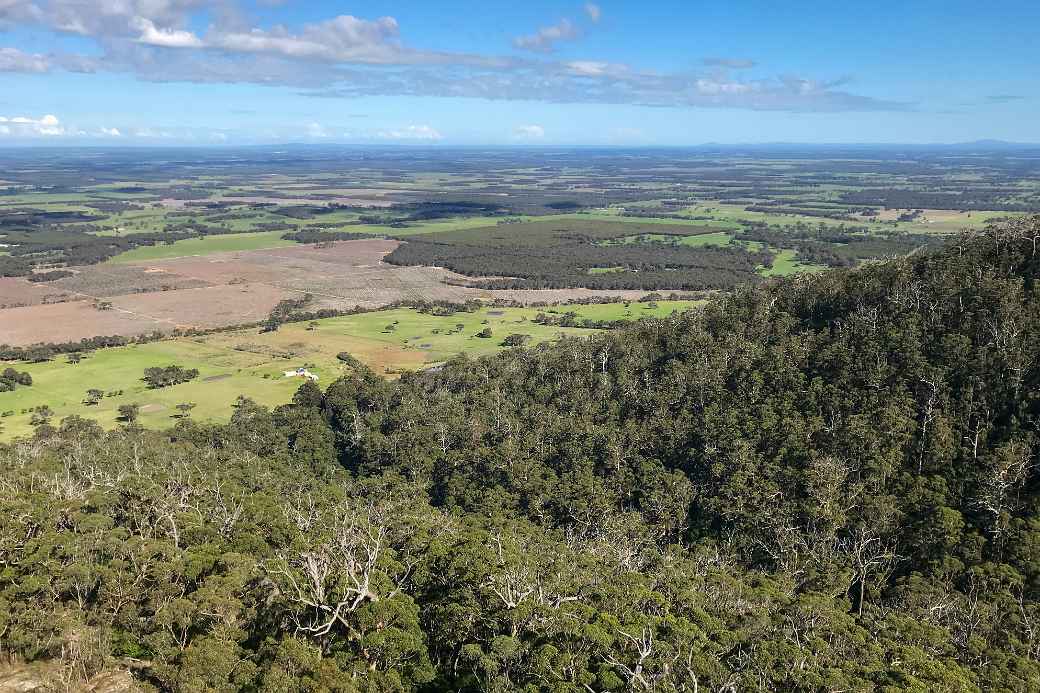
[819, 484]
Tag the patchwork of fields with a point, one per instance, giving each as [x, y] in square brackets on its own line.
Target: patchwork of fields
[125, 247]
[246, 362]
[226, 288]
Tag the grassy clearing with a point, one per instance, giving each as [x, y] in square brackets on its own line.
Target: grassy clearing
[243, 362]
[206, 246]
[417, 228]
[785, 264]
[261, 240]
[713, 239]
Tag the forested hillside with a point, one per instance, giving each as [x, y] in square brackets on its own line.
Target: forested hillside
[826, 483]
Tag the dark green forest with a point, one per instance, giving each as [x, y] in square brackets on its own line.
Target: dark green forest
[826, 483]
[558, 254]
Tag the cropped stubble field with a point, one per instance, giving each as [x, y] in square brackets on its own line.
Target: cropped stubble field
[223, 289]
[246, 362]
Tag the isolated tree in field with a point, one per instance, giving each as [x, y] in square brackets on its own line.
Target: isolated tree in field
[185, 409]
[41, 416]
[515, 340]
[94, 396]
[485, 333]
[15, 378]
[129, 413]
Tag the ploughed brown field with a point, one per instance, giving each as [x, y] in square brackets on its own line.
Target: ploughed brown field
[232, 288]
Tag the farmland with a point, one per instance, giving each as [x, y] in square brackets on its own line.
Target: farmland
[206, 245]
[116, 243]
[247, 362]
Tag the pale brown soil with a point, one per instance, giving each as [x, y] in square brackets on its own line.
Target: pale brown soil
[16, 292]
[74, 320]
[214, 306]
[233, 288]
[116, 280]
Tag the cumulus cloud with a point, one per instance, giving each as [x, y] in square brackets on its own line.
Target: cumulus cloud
[412, 132]
[530, 132]
[348, 57]
[344, 38]
[110, 132]
[108, 18]
[170, 38]
[545, 39]
[24, 126]
[14, 60]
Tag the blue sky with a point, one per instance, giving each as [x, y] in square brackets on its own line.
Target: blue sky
[538, 72]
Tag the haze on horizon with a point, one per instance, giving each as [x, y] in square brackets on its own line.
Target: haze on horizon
[213, 72]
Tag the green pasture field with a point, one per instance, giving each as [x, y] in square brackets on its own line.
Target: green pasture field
[245, 362]
[260, 240]
[785, 264]
[39, 199]
[934, 221]
[206, 245]
[614, 214]
[416, 228]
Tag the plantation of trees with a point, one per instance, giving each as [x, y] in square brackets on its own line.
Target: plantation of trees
[559, 254]
[827, 483]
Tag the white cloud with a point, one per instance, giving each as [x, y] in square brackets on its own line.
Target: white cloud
[345, 38]
[148, 133]
[24, 126]
[168, 38]
[546, 38]
[593, 68]
[412, 132]
[710, 87]
[532, 132]
[14, 60]
[110, 132]
[344, 56]
[218, 137]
